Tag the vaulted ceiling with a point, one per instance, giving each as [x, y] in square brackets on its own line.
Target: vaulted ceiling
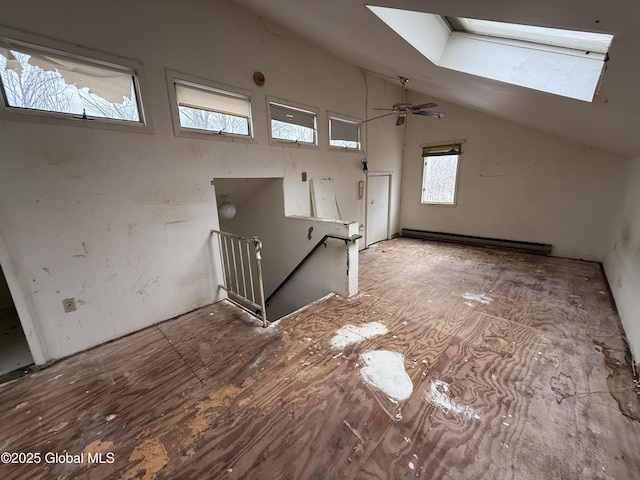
[611, 122]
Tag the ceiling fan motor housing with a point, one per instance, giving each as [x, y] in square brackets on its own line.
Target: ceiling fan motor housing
[403, 108]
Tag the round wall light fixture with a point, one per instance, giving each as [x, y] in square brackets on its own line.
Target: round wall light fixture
[227, 210]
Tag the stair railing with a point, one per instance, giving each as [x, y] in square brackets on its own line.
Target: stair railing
[239, 258]
[322, 241]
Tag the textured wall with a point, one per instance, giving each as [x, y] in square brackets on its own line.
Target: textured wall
[515, 183]
[622, 263]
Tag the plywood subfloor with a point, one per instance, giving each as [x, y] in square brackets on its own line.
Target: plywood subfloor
[518, 365]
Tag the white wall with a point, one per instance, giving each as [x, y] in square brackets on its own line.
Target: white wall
[384, 141]
[514, 183]
[622, 263]
[120, 221]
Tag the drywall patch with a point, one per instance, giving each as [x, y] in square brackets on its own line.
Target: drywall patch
[349, 334]
[438, 396]
[385, 371]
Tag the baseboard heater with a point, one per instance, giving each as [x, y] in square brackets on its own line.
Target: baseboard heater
[523, 247]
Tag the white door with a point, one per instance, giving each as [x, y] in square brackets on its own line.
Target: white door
[378, 188]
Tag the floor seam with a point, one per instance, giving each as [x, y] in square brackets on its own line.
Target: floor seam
[180, 355]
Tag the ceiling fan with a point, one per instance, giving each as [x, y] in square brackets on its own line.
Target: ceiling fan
[403, 108]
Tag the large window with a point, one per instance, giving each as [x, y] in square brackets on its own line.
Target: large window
[38, 80]
[293, 124]
[440, 174]
[212, 110]
[344, 133]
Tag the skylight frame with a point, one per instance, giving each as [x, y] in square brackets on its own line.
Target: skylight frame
[565, 71]
[544, 36]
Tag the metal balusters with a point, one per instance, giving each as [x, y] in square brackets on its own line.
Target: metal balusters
[238, 262]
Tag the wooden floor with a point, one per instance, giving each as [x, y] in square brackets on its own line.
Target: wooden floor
[518, 369]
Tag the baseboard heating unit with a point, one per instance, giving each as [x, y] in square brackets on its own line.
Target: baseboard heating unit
[523, 247]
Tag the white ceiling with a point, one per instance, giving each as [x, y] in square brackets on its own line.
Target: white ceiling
[349, 30]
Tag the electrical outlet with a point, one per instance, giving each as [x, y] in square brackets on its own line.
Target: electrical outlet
[69, 305]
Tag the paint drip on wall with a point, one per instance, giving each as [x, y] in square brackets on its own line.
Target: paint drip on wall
[352, 334]
[385, 371]
[438, 396]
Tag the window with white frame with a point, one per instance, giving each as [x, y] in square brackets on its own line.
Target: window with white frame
[293, 124]
[440, 174]
[208, 109]
[344, 133]
[44, 81]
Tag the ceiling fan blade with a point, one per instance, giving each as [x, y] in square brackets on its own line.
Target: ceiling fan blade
[387, 109]
[429, 114]
[400, 120]
[424, 105]
[375, 118]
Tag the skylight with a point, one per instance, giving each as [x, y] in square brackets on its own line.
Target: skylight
[577, 40]
[562, 62]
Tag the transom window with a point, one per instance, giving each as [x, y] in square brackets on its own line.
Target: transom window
[293, 124]
[38, 79]
[440, 174]
[344, 133]
[211, 110]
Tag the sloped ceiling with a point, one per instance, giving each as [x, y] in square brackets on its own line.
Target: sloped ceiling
[611, 122]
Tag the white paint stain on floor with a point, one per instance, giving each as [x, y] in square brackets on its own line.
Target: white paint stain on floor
[385, 371]
[357, 333]
[438, 396]
[477, 298]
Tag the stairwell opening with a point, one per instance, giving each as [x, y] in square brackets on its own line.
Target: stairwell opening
[286, 240]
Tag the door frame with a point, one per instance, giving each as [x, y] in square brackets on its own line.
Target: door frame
[366, 212]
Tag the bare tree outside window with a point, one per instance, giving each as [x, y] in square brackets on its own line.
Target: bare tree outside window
[293, 124]
[212, 121]
[344, 133]
[208, 108]
[439, 179]
[97, 106]
[345, 144]
[34, 88]
[31, 87]
[290, 131]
